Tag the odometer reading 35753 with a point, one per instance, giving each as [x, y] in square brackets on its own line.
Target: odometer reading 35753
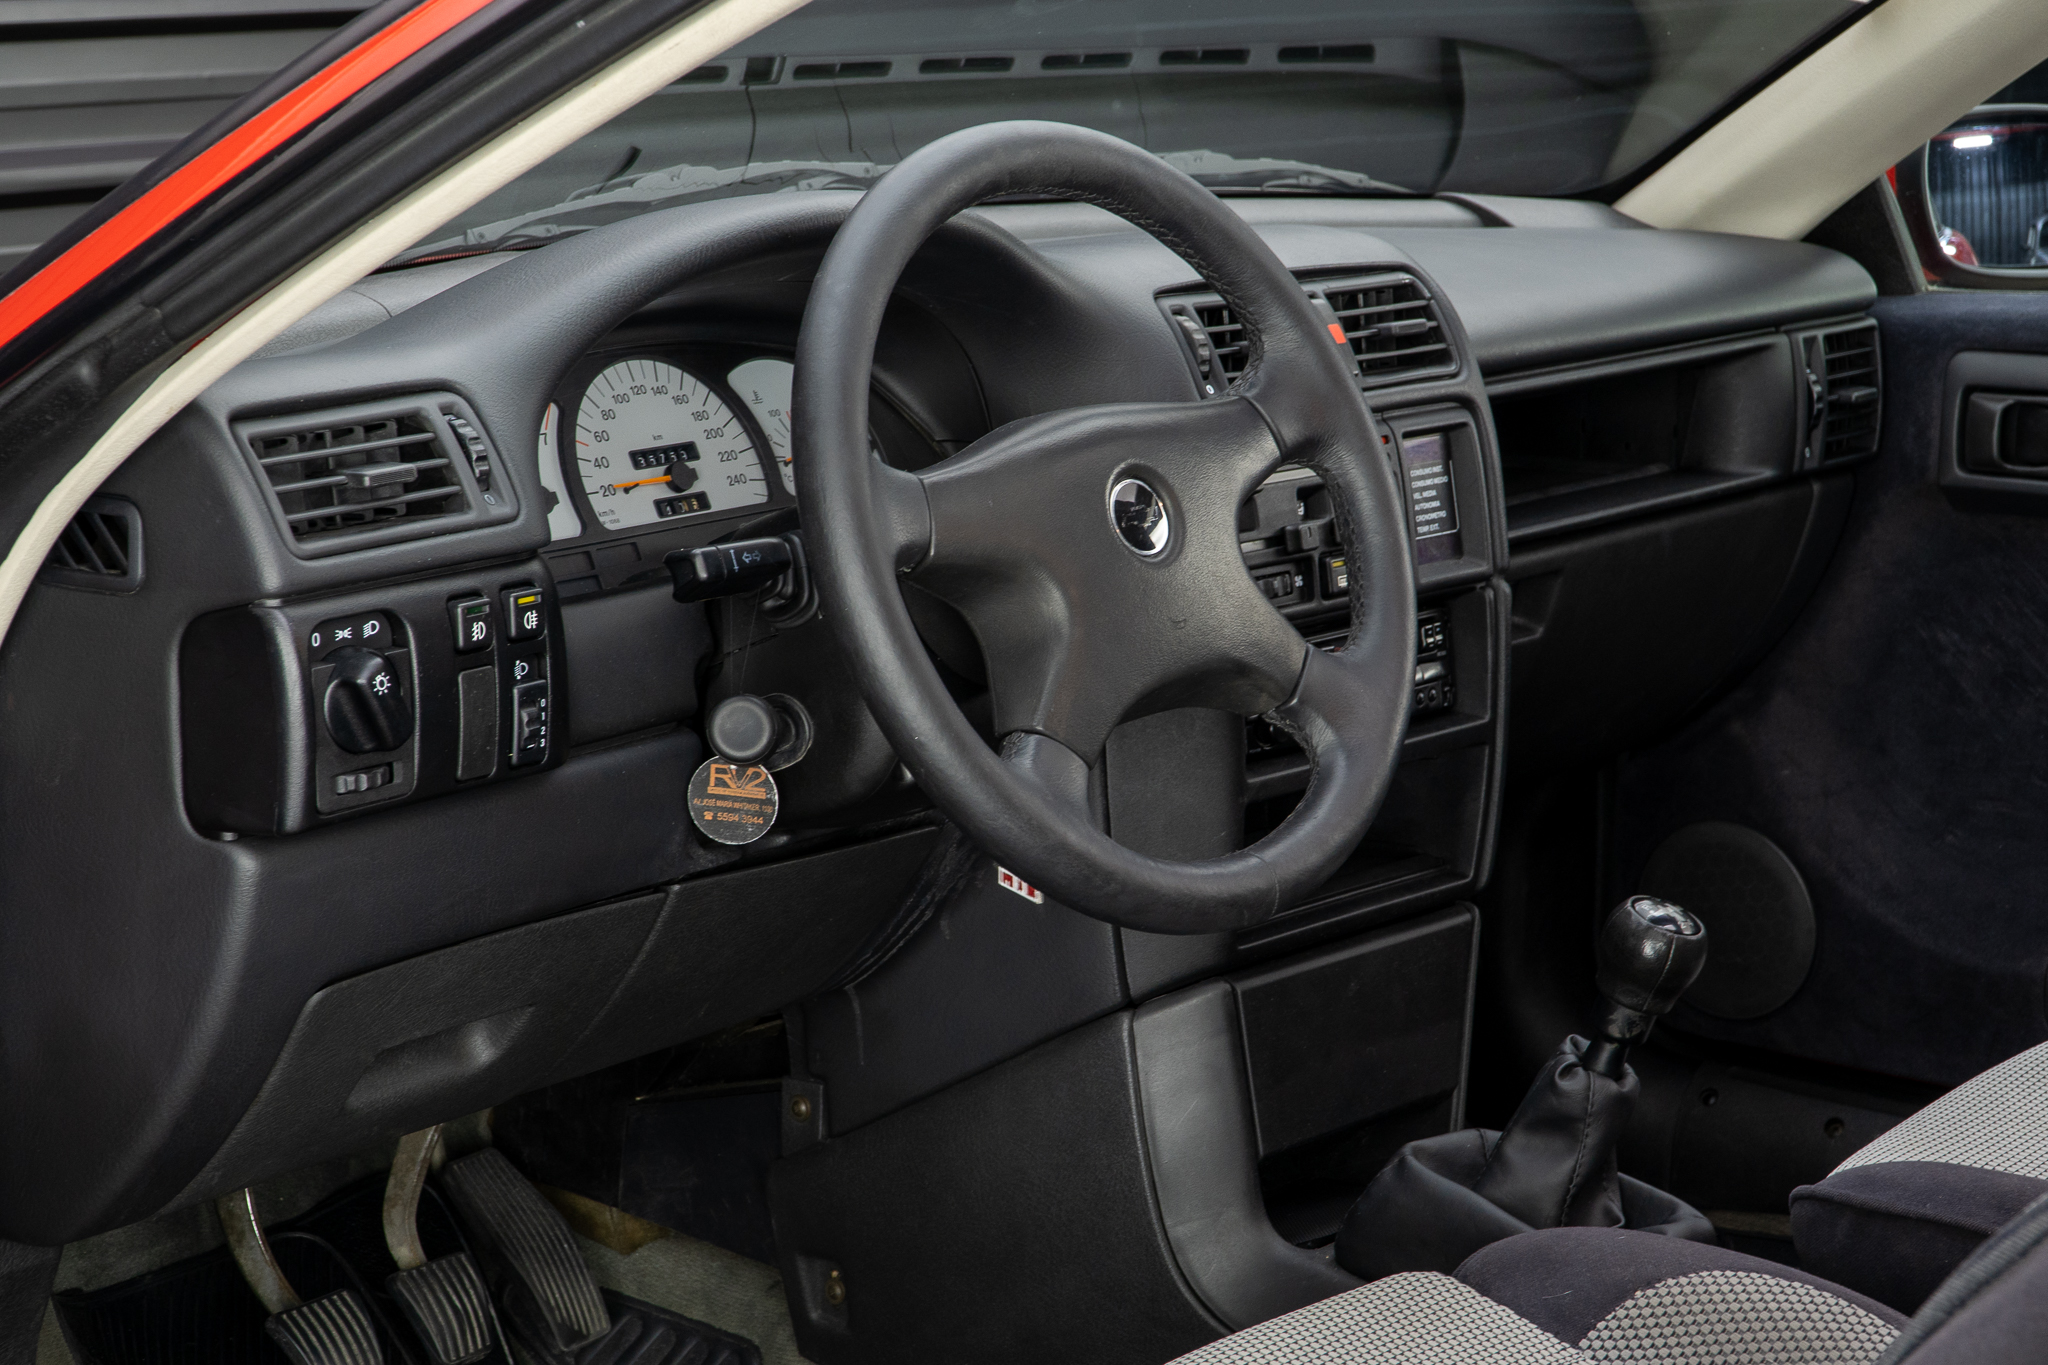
[654, 442]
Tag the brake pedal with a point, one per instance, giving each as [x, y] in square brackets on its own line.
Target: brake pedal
[444, 1299]
[334, 1329]
[550, 1296]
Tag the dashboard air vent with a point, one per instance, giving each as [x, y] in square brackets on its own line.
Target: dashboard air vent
[1390, 321]
[376, 472]
[1226, 338]
[101, 550]
[1852, 389]
[1393, 326]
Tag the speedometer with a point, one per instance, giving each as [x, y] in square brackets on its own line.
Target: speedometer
[655, 442]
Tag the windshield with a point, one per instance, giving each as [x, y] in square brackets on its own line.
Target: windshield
[1351, 97]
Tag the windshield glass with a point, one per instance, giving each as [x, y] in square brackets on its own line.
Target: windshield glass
[1351, 97]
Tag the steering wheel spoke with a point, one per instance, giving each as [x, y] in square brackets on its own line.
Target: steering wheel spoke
[1094, 551]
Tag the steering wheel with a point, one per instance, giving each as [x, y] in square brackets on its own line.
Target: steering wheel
[1094, 550]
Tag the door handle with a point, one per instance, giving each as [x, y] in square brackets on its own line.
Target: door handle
[2006, 433]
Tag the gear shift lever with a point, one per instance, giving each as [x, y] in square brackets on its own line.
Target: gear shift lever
[1650, 951]
[1442, 1198]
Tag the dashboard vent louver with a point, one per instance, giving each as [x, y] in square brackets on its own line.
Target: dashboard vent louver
[1852, 391]
[354, 474]
[375, 472]
[1226, 338]
[1393, 326]
[1390, 321]
[100, 550]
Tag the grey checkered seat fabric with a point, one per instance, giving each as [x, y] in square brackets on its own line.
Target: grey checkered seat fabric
[1418, 1319]
[1608, 1296]
[1727, 1317]
[1901, 1214]
[1996, 1122]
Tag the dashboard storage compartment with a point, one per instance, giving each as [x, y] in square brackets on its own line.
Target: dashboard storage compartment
[1391, 1012]
[431, 1038]
[1391, 1016]
[1591, 443]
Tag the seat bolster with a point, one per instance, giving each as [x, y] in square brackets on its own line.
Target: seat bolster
[1993, 1310]
[1894, 1230]
[1568, 1280]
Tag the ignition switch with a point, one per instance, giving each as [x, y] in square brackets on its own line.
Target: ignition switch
[773, 731]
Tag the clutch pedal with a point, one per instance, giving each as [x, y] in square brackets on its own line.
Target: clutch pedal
[548, 1292]
[444, 1299]
[334, 1329]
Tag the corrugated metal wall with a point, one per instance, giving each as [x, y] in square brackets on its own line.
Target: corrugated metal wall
[91, 91]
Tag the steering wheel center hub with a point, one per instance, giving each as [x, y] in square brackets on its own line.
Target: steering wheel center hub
[1140, 517]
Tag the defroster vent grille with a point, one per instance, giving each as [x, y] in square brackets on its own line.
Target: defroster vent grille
[100, 550]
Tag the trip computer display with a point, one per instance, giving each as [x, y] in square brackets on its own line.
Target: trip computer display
[655, 442]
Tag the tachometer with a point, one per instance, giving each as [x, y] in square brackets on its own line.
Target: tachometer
[763, 384]
[654, 442]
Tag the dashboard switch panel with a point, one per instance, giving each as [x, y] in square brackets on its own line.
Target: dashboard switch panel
[295, 713]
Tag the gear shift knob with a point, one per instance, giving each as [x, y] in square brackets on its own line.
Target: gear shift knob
[1650, 951]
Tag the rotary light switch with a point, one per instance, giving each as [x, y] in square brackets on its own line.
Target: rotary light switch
[366, 706]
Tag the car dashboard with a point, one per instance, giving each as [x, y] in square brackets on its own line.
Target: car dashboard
[387, 737]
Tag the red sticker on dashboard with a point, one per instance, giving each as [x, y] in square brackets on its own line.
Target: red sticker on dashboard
[1010, 881]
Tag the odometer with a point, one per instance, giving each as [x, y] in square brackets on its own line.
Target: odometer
[654, 442]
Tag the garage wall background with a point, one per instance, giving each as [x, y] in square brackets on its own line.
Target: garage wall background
[91, 91]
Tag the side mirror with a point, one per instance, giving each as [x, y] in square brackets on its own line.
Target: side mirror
[1976, 198]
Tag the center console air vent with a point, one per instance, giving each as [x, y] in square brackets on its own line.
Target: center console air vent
[1850, 390]
[375, 473]
[1390, 322]
[1393, 326]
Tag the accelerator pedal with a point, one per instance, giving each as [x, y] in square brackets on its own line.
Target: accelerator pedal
[643, 1334]
[334, 1329]
[550, 1299]
[444, 1299]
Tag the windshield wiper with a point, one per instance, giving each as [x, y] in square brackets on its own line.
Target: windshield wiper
[1277, 175]
[627, 197]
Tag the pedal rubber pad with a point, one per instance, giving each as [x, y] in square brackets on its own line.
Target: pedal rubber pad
[447, 1304]
[549, 1292]
[643, 1334]
[332, 1330]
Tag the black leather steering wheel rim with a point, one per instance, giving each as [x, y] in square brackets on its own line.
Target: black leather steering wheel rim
[1183, 627]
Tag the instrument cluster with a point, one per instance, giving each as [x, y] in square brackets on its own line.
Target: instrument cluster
[660, 439]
